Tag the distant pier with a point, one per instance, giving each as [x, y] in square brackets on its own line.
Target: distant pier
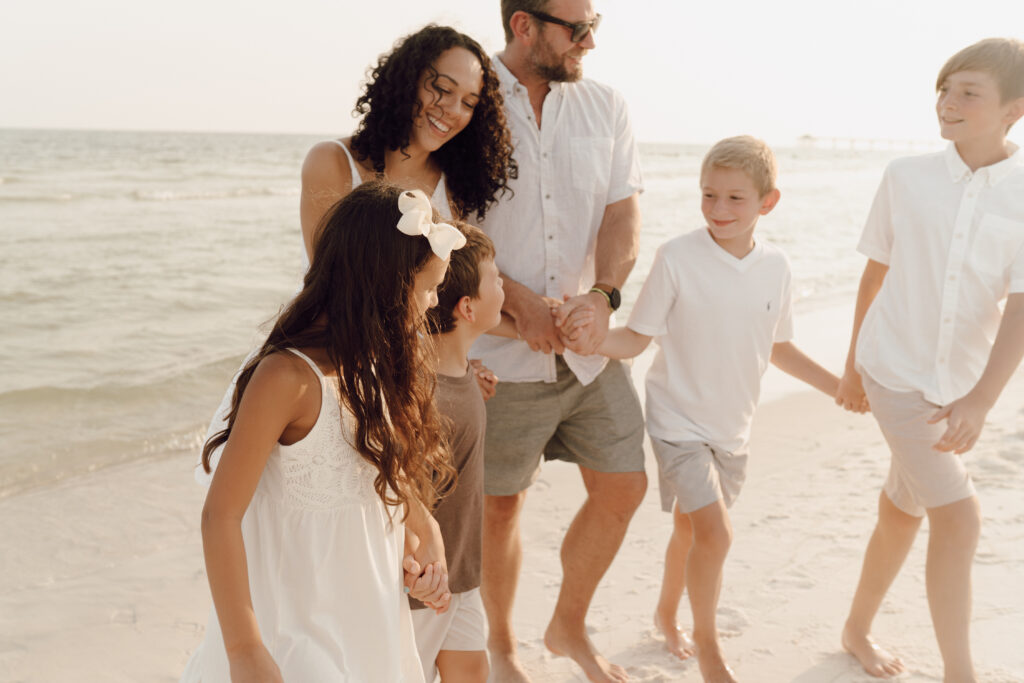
[866, 144]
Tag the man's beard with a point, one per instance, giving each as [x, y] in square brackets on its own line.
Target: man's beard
[549, 66]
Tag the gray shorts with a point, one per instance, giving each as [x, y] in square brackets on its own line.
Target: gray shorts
[697, 474]
[599, 426]
[920, 477]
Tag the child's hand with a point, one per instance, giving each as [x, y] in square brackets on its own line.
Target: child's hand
[850, 394]
[965, 419]
[253, 664]
[574, 320]
[485, 379]
[429, 586]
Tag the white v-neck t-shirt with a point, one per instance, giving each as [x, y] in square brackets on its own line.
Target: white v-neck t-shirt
[715, 318]
[954, 243]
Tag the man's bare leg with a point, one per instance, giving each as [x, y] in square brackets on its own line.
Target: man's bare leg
[712, 536]
[589, 547]
[677, 641]
[891, 541]
[953, 538]
[502, 560]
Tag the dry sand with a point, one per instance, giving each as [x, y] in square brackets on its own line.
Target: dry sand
[102, 579]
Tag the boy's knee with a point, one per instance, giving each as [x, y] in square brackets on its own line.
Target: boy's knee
[465, 668]
[958, 522]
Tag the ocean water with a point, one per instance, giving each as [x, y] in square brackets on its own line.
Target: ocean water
[137, 268]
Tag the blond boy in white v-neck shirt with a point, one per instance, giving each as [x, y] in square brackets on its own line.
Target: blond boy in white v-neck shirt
[718, 302]
[931, 351]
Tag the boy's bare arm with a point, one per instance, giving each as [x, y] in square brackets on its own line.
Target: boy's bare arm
[791, 360]
[850, 394]
[966, 416]
[622, 342]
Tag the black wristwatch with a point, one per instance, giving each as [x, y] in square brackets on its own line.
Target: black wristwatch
[611, 294]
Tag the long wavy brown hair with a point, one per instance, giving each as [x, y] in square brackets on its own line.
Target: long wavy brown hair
[477, 163]
[356, 304]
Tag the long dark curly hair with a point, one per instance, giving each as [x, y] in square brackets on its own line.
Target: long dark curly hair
[477, 163]
[356, 303]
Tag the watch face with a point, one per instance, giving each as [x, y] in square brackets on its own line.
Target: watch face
[616, 299]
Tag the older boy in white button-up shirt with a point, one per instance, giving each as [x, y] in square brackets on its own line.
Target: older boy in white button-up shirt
[945, 243]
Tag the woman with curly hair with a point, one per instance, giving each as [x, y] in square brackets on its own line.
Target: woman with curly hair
[432, 119]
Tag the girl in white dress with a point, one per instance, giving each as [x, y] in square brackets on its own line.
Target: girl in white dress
[332, 445]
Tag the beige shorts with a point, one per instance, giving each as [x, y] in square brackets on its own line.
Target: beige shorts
[599, 426]
[920, 477]
[697, 474]
[463, 627]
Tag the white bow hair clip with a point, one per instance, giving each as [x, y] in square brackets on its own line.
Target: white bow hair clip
[418, 219]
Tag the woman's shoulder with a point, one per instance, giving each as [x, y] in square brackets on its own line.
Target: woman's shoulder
[327, 164]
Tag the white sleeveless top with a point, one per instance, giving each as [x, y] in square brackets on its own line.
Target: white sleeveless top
[439, 198]
[324, 561]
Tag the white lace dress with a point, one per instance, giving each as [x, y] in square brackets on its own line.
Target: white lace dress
[324, 566]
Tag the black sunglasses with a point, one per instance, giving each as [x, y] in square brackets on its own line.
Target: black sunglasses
[580, 29]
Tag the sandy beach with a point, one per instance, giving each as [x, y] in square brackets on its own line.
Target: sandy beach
[102, 577]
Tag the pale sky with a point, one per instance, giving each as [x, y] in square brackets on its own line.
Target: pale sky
[691, 71]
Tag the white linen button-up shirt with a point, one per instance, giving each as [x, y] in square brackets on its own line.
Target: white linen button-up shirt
[583, 158]
[954, 244]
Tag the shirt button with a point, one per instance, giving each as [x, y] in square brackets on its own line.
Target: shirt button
[547, 196]
[545, 155]
[952, 277]
[551, 237]
[552, 278]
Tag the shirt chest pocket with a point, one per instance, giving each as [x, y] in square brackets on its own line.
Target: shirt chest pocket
[997, 243]
[590, 160]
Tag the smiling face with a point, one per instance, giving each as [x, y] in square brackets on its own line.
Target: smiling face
[970, 109]
[448, 93]
[553, 55]
[731, 205]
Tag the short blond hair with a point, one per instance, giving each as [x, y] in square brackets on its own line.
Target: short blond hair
[1001, 58]
[748, 154]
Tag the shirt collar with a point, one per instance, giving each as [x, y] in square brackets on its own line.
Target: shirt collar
[511, 86]
[994, 174]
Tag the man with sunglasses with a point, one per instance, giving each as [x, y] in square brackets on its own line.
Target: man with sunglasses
[571, 229]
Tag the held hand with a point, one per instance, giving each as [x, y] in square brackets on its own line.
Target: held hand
[253, 664]
[485, 379]
[535, 326]
[429, 586]
[586, 337]
[850, 394]
[965, 418]
[573, 320]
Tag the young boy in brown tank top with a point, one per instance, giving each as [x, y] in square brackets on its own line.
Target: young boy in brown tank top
[454, 643]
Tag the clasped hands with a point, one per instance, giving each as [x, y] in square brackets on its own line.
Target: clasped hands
[578, 323]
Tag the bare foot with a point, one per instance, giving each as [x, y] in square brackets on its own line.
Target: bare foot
[506, 668]
[677, 641]
[577, 647]
[876, 661]
[712, 665]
